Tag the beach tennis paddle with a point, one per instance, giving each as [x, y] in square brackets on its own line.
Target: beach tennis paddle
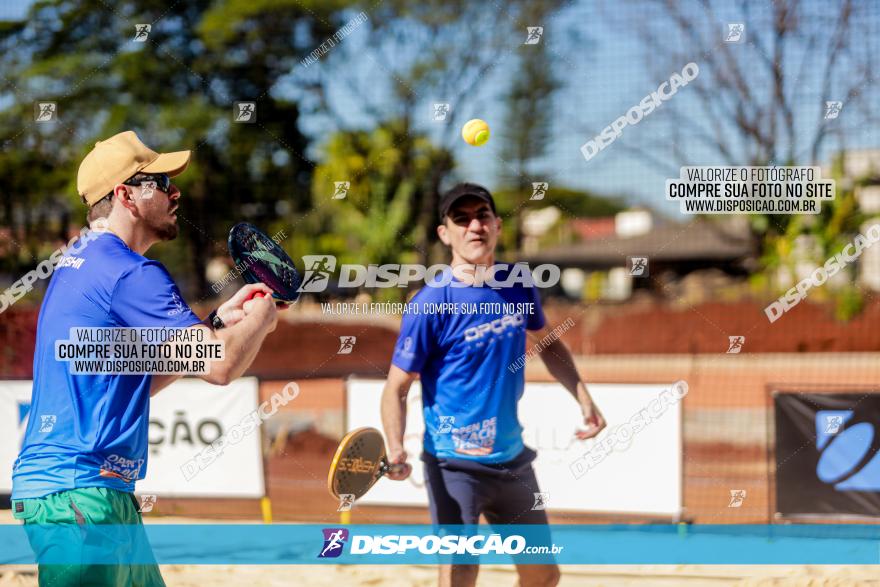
[359, 462]
[262, 260]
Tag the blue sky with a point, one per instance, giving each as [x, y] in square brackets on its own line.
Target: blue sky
[13, 9]
[604, 78]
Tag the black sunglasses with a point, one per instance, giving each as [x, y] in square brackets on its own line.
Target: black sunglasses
[163, 182]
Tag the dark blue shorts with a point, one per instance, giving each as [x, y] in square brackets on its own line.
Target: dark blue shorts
[460, 490]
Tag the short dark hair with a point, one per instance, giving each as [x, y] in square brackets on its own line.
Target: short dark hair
[101, 208]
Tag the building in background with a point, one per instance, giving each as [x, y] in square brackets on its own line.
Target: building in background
[635, 250]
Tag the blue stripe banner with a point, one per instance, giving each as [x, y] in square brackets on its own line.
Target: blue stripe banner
[425, 544]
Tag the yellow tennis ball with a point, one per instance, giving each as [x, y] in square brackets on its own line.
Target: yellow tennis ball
[475, 132]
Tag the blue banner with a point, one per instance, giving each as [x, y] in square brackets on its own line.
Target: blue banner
[424, 544]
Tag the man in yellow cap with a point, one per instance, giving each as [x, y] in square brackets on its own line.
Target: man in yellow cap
[125, 171]
[86, 443]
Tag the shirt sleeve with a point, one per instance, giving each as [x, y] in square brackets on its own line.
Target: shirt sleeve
[416, 340]
[146, 296]
[535, 320]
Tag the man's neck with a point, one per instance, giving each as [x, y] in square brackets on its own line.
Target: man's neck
[136, 240]
[464, 270]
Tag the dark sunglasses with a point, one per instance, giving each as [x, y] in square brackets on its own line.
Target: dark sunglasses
[163, 182]
[464, 219]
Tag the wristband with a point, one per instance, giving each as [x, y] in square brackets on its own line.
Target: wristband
[216, 321]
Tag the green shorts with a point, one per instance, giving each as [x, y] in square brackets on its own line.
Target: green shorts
[78, 508]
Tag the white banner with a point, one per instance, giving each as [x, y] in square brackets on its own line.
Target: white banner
[643, 477]
[15, 403]
[185, 418]
[188, 416]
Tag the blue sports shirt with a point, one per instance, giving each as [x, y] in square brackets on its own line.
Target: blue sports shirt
[91, 430]
[462, 340]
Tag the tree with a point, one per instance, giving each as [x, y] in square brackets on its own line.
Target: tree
[177, 89]
[389, 169]
[528, 118]
[417, 54]
[762, 101]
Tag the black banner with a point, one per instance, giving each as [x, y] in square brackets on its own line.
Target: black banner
[827, 459]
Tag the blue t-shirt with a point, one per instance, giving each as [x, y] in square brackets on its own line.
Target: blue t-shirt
[91, 430]
[462, 353]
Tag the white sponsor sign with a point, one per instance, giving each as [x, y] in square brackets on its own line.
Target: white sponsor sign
[15, 403]
[208, 411]
[644, 477]
[184, 419]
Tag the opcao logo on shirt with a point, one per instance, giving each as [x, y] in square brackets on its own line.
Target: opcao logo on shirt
[497, 326]
[121, 468]
[477, 438]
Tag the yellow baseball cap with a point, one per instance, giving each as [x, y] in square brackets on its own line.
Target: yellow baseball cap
[118, 158]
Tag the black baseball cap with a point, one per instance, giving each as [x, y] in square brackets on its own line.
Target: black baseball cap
[465, 190]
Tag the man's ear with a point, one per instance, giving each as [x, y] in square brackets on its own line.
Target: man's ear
[443, 234]
[123, 195]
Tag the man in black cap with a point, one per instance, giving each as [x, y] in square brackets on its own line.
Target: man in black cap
[474, 458]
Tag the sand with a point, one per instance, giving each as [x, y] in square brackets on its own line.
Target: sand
[424, 576]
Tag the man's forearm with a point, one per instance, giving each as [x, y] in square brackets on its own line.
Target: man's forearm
[560, 364]
[241, 343]
[393, 415]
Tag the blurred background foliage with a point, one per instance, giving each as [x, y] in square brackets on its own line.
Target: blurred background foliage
[177, 91]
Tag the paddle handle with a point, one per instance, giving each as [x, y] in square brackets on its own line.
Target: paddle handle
[260, 294]
[388, 468]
